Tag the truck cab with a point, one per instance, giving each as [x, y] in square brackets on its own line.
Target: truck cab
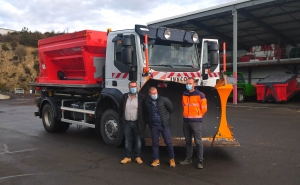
[172, 56]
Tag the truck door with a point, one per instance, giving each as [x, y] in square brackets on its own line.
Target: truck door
[117, 72]
[210, 62]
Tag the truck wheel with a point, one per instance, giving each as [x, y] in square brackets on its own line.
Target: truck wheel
[241, 96]
[111, 129]
[49, 122]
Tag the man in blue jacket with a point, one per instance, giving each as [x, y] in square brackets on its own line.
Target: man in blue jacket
[158, 110]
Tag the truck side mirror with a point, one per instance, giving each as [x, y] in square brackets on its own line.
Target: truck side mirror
[214, 55]
[132, 74]
[214, 47]
[126, 53]
[214, 58]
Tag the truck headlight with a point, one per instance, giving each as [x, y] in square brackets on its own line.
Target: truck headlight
[195, 37]
[167, 34]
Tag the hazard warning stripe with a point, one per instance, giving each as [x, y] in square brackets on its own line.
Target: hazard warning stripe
[164, 75]
[119, 75]
[158, 75]
[215, 74]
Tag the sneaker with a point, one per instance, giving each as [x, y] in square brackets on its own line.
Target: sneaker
[186, 161]
[172, 162]
[139, 160]
[200, 165]
[126, 160]
[155, 163]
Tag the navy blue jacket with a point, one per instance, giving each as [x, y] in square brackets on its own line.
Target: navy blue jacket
[165, 108]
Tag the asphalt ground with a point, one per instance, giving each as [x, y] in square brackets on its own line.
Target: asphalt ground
[269, 151]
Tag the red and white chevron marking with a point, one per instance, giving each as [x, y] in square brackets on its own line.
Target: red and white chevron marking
[214, 74]
[119, 75]
[158, 75]
[164, 75]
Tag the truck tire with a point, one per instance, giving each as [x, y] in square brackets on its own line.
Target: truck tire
[111, 129]
[50, 123]
[241, 96]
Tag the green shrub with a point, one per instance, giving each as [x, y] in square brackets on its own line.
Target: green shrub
[36, 66]
[13, 44]
[35, 53]
[13, 75]
[20, 52]
[27, 70]
[22, 78]
[4, 47]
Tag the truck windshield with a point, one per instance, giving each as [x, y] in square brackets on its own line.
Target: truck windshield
[172, 54]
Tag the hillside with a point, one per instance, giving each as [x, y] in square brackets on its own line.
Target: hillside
[17, 71]
[19, 58]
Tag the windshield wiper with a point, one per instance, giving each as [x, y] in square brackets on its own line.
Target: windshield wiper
[164, 65]
[186, 66]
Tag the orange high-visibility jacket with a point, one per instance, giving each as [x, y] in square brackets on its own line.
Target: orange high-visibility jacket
[194, 106]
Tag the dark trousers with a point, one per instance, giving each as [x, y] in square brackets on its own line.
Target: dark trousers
[193, 129]
[132, 129]
[165, 132]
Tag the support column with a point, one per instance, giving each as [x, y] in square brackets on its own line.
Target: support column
[249, 75]
[234, 14]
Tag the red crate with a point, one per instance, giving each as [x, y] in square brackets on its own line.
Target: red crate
[246, 58]
[277, 88]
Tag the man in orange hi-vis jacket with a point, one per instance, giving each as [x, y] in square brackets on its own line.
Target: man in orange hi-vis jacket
[194, 107]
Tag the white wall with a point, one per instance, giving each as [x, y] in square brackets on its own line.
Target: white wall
[5, 31]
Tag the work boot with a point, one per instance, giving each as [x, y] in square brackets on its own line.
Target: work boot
[200, 165]
[126, 160]
[155, 163]
[139, 160]
[186, 161]
[172, 162]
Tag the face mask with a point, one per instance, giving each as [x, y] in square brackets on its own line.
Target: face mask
[132, 90]
[189, 87]
[154, 96]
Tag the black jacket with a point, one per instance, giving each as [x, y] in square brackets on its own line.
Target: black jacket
[165, 108]
[140, 111]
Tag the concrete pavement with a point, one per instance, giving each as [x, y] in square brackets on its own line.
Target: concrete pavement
[269, 152]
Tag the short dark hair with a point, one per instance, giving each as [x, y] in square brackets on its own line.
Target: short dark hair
[152, 88]
[131, 82]
[192, 78]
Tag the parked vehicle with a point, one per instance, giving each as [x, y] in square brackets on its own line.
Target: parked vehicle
[84, 74]
[244, 90]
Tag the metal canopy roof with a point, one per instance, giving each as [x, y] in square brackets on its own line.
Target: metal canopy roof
[260, 22]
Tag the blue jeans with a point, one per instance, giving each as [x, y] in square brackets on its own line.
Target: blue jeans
[193, 129]
[132, 129]
[165, 132]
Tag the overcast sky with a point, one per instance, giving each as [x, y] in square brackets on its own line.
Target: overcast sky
[75, 15]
